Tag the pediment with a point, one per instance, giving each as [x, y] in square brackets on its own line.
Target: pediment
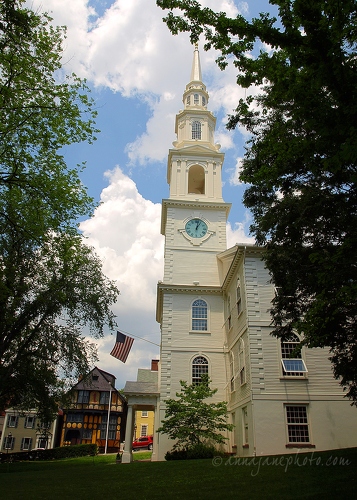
[197, 149]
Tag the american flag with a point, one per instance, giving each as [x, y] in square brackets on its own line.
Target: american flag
[122, 347]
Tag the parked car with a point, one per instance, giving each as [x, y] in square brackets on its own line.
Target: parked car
[143, 442]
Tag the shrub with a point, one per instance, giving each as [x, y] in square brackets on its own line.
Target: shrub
[200, 450]
[80, 450]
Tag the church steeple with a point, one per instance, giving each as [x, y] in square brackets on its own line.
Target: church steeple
[195, 125]
[195, 95]
[194, 165]
[196, 75]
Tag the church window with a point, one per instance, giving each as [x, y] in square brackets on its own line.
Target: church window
[188, 100]
[241, 358]
[293, 364]
[199, 368]
[199, 315]
[203, 101]
[195, 99]
[196, 130]
[245, 426]
[297, 424]
[238, 298]
[229, 315]
[231, 363]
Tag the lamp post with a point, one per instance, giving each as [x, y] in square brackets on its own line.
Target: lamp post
[9, 438]
[108, 417]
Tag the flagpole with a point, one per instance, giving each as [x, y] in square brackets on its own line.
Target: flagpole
[141, 338]
[108, 417]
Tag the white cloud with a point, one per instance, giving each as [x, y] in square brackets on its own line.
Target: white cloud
[129, 49]
[238, 233]
[234, 179]
[125, 232]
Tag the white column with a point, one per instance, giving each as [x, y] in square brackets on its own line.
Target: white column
[128, 453]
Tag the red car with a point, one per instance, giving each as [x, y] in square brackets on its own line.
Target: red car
[143, 442]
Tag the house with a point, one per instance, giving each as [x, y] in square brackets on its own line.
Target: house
[144, 419]
[212, 307]
[95, 414]
[24, 431]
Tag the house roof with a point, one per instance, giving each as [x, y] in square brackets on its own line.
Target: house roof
[141, 388]
[96, 379]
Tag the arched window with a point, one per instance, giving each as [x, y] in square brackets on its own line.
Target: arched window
[203, 101]
[195, 99]
[199, 315]
[241, 358]
[188, 100]
[196, 180]
[199, 368]
[293, 365]
[196, 130]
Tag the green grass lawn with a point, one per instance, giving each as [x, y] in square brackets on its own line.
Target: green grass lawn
[315, 475]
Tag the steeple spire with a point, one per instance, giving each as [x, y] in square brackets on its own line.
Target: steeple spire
[195, 95]
[196, 75]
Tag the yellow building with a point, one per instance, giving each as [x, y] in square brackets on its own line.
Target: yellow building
[144, 423]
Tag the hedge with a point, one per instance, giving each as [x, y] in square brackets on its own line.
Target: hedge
[80, 450]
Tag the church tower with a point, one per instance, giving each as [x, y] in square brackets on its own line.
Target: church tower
[189, 299]
[213, 309]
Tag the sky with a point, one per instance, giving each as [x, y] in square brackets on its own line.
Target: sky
[137, 71]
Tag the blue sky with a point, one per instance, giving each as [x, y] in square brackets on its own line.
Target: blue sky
[137, 72]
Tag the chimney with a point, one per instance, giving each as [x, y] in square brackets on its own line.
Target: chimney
[154, 365]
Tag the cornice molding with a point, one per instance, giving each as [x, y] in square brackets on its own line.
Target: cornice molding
[193, 204]
[163, 288]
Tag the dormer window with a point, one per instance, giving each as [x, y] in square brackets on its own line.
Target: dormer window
[196, 130]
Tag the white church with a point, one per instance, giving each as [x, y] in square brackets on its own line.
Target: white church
[212, 306]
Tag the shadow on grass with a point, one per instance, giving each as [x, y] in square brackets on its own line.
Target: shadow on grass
[324, 475]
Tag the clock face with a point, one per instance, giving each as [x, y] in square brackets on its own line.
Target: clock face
[196, 228]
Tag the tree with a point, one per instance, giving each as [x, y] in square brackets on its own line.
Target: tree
[51, 282]
[192, 421]
[41, 111]
[301, 160]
